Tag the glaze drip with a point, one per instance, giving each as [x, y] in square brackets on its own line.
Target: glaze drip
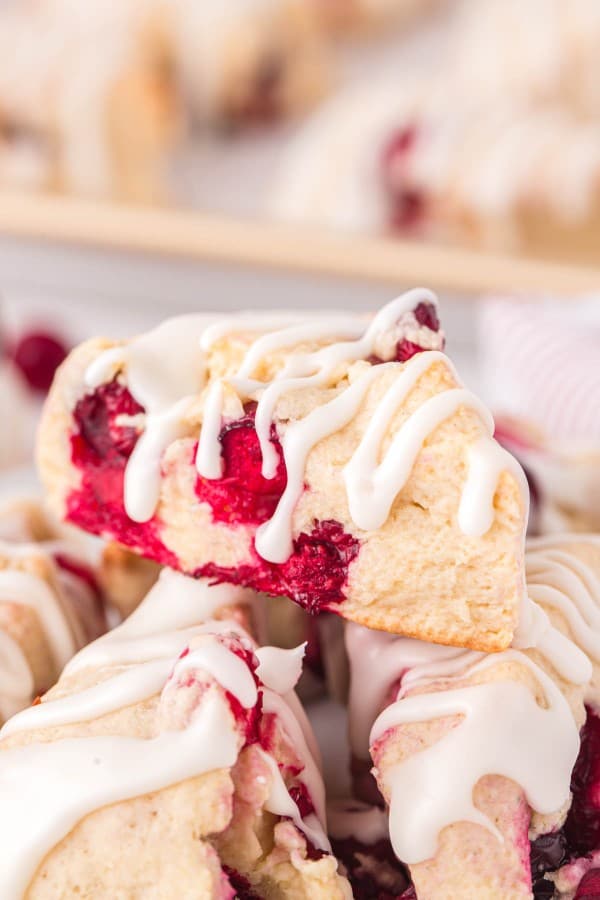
[171, 638]
[341, 353]
[531, 739]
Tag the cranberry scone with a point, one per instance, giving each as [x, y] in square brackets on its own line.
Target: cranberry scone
[329, 459]
[119, 578]
[172, 759]
[563, 478]
[492, 741]
[88, 104]
[50, 607]
[418, 159]
[247, 63]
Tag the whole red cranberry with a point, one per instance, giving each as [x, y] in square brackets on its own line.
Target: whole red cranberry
[38, 355]
[426, 315]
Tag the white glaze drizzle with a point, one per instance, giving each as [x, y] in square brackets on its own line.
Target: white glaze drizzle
[145, 644]
[274, 537]
[378, 660]
[173, 611]
[310, 369]
[535, 631]
[16, 678]
[69, 779]
[59, 628]
[276, 669]
[155, 634]
[500, 718]
[165, 370]
[561, 581]
[372, 487]
[535, 746]
[280, 803]
[184, 344]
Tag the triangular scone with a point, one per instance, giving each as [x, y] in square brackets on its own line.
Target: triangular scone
[490, 740]
[50, 607]
[121, 578]
[330, 459]
[172, 759]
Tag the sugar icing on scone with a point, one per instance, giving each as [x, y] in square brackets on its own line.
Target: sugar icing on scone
[336, 461]
[50, 607]
[172, 757]
[491, 740]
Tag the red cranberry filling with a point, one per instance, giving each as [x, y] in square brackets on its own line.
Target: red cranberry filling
[581, 832]
[302, 799]
[582, 828]
[316, 572]
[240, 884]
[100, 448]
[405, 350]
[314, 576]
[101, 440]
[426, 315]
[589, 888]
[249, 721]
[407, 205]
[38, 355]
[242, 495]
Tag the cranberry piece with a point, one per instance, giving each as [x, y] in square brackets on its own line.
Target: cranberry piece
[548, 853]
[426, 315]
[582, 828]
[248, 720]
[407, 205]
[314, 576]
[240, 884]
[589, 887]
[242, 495]
[312, 852]
[103, 440]
[38, 355]
[301, 798]
[100, 448]
[317, 570]
[405, 350]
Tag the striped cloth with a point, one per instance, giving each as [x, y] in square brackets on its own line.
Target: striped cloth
[540, 362]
